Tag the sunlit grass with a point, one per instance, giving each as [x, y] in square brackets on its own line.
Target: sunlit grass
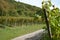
[11, 32]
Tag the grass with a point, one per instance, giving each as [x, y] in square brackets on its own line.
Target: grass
[11, 32]
[45, 37]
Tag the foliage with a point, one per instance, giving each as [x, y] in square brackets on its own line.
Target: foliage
[13, 8]
[15, 13]
[54, 17]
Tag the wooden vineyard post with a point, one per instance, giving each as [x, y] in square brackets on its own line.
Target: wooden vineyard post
[47, 24]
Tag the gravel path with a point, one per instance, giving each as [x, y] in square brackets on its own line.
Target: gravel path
[31, 36]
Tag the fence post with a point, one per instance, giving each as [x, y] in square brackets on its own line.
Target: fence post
[47, 24]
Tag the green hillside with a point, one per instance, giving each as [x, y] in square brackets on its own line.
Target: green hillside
[13, 8]
[16, 13]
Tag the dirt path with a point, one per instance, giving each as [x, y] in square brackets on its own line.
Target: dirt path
[31, 36]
